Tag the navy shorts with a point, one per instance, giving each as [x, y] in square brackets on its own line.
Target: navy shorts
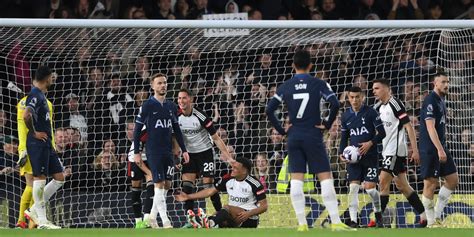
[44, 160]
[363, 171]
[309, 153]
[134, 172]
[161, 166]
[432, 168]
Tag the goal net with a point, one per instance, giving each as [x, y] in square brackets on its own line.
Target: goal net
[103, 77]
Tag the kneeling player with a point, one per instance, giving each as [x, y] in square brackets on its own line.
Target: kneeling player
[247, 199]
[361, 124]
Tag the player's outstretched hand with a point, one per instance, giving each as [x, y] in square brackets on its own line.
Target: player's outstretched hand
[181, 197]
[365, 147]
[341, 157]
[242, 216]
[442, 156]
[185, 157]
[41, 136]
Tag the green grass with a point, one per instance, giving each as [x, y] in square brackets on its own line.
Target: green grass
[276, 232]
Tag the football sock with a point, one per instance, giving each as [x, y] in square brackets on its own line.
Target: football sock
[188, 188]
[375, 196]
[384, 201]
[25, 202]
[297, 199]
[328, 194]
[150, 192]
[443, 198]
[416, 203]
[38, 197]
[353, 201]
[137, 203]
[429, 209]
[51, 188]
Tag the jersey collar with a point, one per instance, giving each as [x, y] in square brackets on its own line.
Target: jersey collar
[360, 110]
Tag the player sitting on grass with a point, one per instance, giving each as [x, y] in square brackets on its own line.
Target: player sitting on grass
[247, 200]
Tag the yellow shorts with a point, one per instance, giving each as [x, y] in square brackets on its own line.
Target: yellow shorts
[27, 168]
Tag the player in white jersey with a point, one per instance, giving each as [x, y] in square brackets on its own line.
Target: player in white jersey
[396, 121]
[198, 129]
[247, 199]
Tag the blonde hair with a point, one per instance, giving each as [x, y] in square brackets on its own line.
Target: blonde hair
[98, 160]
[255, 168]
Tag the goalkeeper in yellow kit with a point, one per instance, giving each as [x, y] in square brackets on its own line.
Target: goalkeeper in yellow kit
[24, 163]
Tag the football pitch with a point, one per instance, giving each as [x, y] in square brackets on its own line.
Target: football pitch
[277, 232]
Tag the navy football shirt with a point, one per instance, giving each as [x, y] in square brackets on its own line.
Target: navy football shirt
[362, 126]
[38, 104]
[434, 107]
[302, 95]
[160, 120]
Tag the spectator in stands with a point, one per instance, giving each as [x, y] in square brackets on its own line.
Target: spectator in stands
[276, 150]
[159, 9]
[73, 116]
[123, 145]
[370, 8]
[338, 168]
[247, 8]
[405, 9]
[261, 170]
[231, 7]
[200, 8]
[255, 14]
[3, 124]
[132, 107]
[181, 9]
[8, 155]
[105, 175]
[435, 11]
[140, 78]
[82, 9]
[73, 162]
[117, 100]
[316, 15]
[330, 11]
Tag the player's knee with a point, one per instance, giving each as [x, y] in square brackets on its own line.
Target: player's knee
[452, 182]
[369, 185]
[187, 187]
[224, 219]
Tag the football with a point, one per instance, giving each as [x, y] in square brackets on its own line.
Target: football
[351, 153]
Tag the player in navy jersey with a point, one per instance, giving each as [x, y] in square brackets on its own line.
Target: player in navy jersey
[361, 125]
[43, 157]
[436, 160]
[395, 150]
[302, 95]
[160, 117]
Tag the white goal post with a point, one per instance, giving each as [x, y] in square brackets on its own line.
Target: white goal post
[103, 68]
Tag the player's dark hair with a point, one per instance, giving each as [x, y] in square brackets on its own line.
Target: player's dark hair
[42, 73]
[355, 89]
[246, 163]
[440, 73]
[187, 91]
[152, 78]
[302, 59]
[382, 81]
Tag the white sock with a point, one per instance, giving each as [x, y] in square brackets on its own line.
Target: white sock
[330, 200]
[353, 201]
[375, 195]
[51, 188]
[443, 198]
[146, 216]
[159, 205]
[138, 220]
[166, 221]
[429, 209]
[38, 198]
[297, 199]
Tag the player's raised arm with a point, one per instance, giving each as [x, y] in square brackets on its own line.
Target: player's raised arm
[344, 136]
[272, 106]
[139, 123]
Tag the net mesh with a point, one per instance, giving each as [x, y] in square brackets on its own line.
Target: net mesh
[103, 78]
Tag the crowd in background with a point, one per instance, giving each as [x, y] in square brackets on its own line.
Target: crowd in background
[100, 85]
[256, 9]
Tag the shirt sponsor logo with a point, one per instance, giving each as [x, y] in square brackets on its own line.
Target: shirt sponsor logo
[163, 123]
[239, 199]
[359, 131]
